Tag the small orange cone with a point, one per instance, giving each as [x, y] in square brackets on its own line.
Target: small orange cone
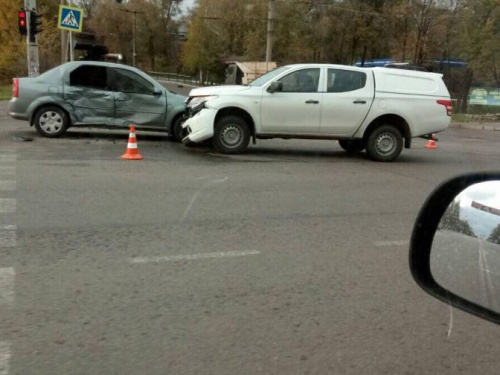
[132, 152]
[431, 144]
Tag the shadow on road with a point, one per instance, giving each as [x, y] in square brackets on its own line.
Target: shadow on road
[100, 134]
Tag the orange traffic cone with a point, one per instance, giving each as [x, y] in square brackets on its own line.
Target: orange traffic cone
[132, 152]
[431, 144]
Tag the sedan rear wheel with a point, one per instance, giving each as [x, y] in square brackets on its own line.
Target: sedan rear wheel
[51, 122]
[352, 146]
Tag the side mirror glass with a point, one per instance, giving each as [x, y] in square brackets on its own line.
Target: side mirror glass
[455, 245]
[465, 253]
[275, 86]
[157, 92]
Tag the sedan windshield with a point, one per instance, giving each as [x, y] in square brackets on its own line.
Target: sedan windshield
[268, 76]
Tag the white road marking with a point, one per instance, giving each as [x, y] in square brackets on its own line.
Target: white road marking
[4, 357]
[392, 243]
[8, 238]
[7, 205]
[7, 170]
[195, 196]
[8, 227]
[450, 323]
[492, 272]
[8, 157]
[170, 258]
[6, 185]
[7, 276]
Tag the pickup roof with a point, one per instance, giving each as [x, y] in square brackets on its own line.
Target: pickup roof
[379, 109]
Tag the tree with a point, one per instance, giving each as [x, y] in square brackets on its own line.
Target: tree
[495, 235]
[451, 220]
[12, 45]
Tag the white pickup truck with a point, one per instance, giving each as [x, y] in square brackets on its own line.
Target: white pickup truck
[380, 109]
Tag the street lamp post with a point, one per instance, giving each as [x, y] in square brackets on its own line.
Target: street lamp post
[134, 52]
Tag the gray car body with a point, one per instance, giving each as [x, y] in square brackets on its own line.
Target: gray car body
[155, 112]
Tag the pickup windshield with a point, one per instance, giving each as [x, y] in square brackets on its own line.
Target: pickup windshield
[268, 76]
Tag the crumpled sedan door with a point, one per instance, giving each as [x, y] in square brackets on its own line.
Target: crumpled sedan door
[137, 100]
[87, 90]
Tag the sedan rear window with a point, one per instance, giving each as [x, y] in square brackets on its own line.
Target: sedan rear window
[89, 76]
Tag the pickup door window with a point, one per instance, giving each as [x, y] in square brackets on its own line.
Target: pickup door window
[89, 94]
[346, 102]
[297, 108]
[135, 101]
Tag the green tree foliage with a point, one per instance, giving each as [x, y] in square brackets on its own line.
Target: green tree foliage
[451, 220]
[326, 31]
[495, 235]
[12, 54]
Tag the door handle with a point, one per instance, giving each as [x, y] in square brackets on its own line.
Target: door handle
[310, 101]
[359, 102]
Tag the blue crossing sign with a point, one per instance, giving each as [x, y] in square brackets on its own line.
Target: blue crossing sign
[70, 18]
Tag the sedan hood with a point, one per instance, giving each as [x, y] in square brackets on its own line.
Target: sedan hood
[216, 90]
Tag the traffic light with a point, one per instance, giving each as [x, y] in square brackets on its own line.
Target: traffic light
[21, 20]
[35, 23]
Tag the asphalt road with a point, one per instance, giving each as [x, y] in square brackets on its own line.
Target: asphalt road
[468, 267]
[291, 259]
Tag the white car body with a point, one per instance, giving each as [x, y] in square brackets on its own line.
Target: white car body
[412, 100]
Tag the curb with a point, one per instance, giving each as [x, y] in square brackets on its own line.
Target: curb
[475, 126]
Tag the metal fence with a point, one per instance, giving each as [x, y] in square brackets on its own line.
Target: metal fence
[181, 78]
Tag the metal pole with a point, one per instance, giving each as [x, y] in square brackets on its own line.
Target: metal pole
[270, 32]
[70, 34]
[71, 52]
[31, 41]
[134, 54]
[28, 35]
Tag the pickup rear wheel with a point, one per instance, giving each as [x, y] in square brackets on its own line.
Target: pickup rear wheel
[231, 135]
[352, 146]
[384, 143]
[51, 122]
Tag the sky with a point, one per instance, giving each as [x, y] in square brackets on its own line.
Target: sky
[487, 193]
[186, 4]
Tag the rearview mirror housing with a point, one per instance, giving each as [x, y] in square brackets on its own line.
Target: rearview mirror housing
[157, 92]
[454, 244]
[275, 86]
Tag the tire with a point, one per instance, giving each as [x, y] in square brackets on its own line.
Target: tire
[384, 143]
[352, 146]
[177, 133]
[51, 122]
[231, 135]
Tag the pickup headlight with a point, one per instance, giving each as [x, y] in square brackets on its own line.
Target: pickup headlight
[197, 100]
[197, 103]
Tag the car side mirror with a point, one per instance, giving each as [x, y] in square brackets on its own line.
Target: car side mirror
[275, 86]
[157, 92]
[455, 245]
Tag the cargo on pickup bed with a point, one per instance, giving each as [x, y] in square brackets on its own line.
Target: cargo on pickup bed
[377, 109]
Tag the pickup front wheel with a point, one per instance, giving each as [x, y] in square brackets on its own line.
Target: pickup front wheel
[384, 143]
[231, 135]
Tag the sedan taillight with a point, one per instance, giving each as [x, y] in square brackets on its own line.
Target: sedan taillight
[447, 104]
[15, 88]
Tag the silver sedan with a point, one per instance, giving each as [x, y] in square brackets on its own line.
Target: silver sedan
[90, 93]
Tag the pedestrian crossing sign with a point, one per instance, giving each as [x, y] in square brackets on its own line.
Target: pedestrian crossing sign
[70, 18]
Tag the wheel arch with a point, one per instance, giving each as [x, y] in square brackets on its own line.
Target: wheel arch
[41, 106]
[237, 111]
[390, 119]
